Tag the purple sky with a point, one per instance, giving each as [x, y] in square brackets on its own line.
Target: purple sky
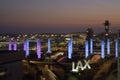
[57, 16]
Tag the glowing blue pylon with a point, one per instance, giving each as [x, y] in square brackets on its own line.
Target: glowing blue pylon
[70, 49]
[116, 48]
[91, 46]
[27, 48]
[49, 46]
[102, 49]
[86, 49]
[108, 46]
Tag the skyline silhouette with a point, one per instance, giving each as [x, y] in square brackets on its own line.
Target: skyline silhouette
[57, 16]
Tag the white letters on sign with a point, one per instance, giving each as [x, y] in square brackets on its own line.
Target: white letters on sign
[80, 66]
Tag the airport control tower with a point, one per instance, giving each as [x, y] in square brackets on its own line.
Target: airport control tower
[106, 24]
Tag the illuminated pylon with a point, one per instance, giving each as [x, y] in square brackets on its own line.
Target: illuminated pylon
[71, 46]
[49, 46]
[108, 46]
[102, 49]
[25, 45]
[38, 49]
[15, 45]
[10, 45]
[91, 45]
[70, 49]
[27, 48]
[116, 48]
[86, 49]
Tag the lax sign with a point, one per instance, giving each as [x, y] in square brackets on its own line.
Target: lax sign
[80, 65]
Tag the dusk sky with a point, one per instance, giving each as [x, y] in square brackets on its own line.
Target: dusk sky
[58, 16]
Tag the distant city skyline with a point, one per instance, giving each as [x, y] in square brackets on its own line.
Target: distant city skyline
[58, 16]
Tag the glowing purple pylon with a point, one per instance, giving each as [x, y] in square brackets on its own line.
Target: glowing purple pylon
[108, 46]
[71, 45]
[10, 45]
[15, 45]
[86, 49]
[102, 49]
[38, 49]
[25, 45]
[69, 54]
[27, 48]
[116, 48]
[69, 50]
